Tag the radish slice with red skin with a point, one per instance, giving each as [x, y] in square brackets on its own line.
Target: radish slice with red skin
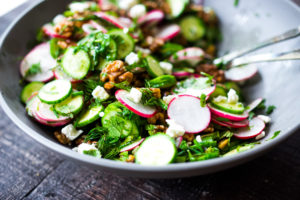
[241, 73]
[254, 104]
[151, 18]
[98, 26]
[186, 111]
[168, 32]
[105, 5]
[192, 55]
[132, 146]
[45, 113]
[111, 19]
[59, 74]
[52, 124]
[39, 55]
[230, 116]
[137, 108]
[256, 126]
[181, 74]
[231, 124]
[48, 29]
[178, 141]
[221, 123]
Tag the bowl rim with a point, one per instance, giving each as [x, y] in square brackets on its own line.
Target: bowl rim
[129, 167]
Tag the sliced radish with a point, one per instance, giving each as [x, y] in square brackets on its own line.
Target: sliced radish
[192, 55]
[231, 124]
[137, 108]
[132, 146]
[241, 73]
[256, 126]
[45, 113]
[39, 55]
[112, 19]
[181, 74]
[93, 26]
[221, 123]
[178, 141]
[59, 74]
[187, 112]
[151, 18]
[168, 32]
[105, 4]
[227, 115]
[53, 124]
[254, 104]
[48, 29]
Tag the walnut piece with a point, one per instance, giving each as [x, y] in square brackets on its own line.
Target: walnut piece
[62, 138]
[212, 70]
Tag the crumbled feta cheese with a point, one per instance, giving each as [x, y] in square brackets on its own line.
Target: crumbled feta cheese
[79, 6]
[260, 136]
[85, 147]
[126, 4]
[100, 93]
[142, 50]
[220, 99]
[125, 30]
[232, 97]
[101, 114]
[174, 130]
[265, 118]
[166, 67]
[194, 53]
[169, 98]
[58, 18]
[198, 138]
[137, 11]
[135, 95]
[70, 132]
[132, 58]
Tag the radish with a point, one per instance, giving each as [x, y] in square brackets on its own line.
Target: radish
[48, 29]
[105, 5]
[41, 56]
[187, 112]
[112, 19]
[151, 18]
[254, 104]
[132, 146]
[181, 74]
[53, 124]
[93, 26]
[45, 113]
[230, 116]
[192, 55]
[241, 73]
[221, 123]
[231, 124]
[178, 141]
[256, 126]
[59, 74]
[168, 32]
[137, 108]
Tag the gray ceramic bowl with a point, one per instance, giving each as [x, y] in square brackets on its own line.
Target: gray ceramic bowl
[252, 21]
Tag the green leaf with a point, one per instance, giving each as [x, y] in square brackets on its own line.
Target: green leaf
[203, 100]
[276, 133]
[270, 109]
[34, 69]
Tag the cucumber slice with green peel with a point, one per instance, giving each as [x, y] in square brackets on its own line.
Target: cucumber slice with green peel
[89, 116]
[192, 28]
[219, 91]
[30, 89]
[71, 105]
[76, 63]
[102, 64]
[125, 42]
[237, 108]
[177, 7]
[153, 67]
[55, 91]
[156, 150]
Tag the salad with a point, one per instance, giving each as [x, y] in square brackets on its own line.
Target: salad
[133, 81]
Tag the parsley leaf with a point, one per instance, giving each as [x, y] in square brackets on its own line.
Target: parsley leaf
[276, 133]
[149, 100]
[203, 100]
[96, 133]
[270, 109]
[34, 69]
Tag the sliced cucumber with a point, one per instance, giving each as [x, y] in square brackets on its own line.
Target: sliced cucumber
[192, 28]
[55, 91]
[30, 89]
[156, 150]
[153, 67]
[89, 116]
[237, 108]
[71, 105]
[76, 63]
[124, 42]
[177, 7]
[219, 91]
[102, 63]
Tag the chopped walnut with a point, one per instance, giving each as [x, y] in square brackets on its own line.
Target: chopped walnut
[115, 72]
[212, 70]
[207, 14]
[209, 129]
[159, 128]
[156, 92]
[80, 140]
[130, 158]
[158, 4]
[62, 138]
[189, 137]
[153, 43]
[158, 117]
[64, 44]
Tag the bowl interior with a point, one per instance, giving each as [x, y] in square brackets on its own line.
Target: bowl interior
[250, 22]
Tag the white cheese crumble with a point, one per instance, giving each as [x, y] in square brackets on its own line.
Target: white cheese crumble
[100, 93]
[132, 58]
[265, 118]
[144, 51]
[232, 97]
[166, 67]
[85, 147]
[220, 99]
[70, 132]
[79, 6]
[198, 138]
[135, 95]
[193, 53]
[58, 18]
[169, 98]
[101, 114]
[125, 30]
[174, 130]
[260, 136]
[126, 4]
[137, 11]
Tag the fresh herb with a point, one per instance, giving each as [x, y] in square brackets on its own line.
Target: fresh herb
[251, 115]
[96, 133]
[123, 85]
[203, 100]
[227, 134]
[149, 100]
[34, 69]
[276, 133]
[210, 77]
[55, 50]
[151, 129]
[270, 109]
[77, 93]
[54, 111]
[170, 49]
[236, 3]
[222, 119]
[164, 81]
[261, 106]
